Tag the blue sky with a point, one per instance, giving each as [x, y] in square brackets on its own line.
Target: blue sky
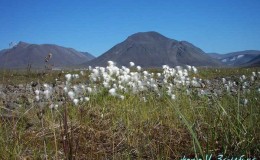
[95, 26]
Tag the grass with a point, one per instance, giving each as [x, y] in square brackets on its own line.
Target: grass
[211, 73]
[108, 128]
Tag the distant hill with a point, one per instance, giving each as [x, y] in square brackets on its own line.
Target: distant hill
[151, 49]
[215, 55]
[24, 54]
[242, 58]
[253, 63]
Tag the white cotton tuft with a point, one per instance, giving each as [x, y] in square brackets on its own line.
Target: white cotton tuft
[144, 99]
[138, 68]
[65, 89]
[75, 101]
[112, 91]
[145, 73]
[71, 94]
[75, 88]
[110, 63]
[194, 69]
[82, 73]
[106, 85]
[45, 85]
[89, 90]
[165, 67]
[122, 97]
[68, 77]
[37, 92]
[245, 101]
[223, 80]
[86, 99]
[173, 97]
[37, 98]
[47, 94]
[81, 99]
[56, 106]
[76, 76]
[132, 64]
[188, 67]
[252, 78]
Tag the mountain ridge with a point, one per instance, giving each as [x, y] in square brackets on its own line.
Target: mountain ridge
[24, 54]
[244, 58]
[147, 49]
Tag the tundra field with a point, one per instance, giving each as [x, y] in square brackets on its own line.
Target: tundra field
[130, 113]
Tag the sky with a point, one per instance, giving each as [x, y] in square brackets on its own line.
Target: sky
[95, 26]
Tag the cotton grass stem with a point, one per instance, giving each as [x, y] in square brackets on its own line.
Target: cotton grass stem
[189, 128]
[54, 134]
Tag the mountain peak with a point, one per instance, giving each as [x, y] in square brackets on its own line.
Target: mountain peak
[147, 36]
[22, 44]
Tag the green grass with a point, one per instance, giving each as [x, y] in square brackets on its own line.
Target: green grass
[108, 128]
[211, 73]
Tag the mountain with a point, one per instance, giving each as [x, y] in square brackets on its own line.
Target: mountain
[24, 54]
[89, 56]
[151, 49]
[215, 55]
[253, 63]
[241, 58]
[2, 51]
